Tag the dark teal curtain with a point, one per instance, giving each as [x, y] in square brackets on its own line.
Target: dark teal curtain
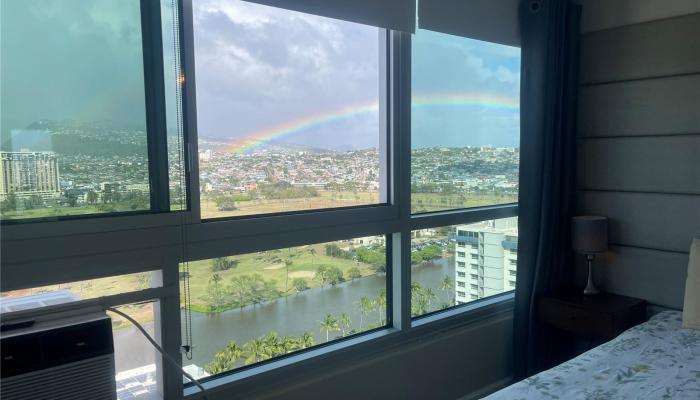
[549, 80]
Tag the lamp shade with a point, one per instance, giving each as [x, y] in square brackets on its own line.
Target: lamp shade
[589, 234]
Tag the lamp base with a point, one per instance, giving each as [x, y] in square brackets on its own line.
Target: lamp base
[590, 287]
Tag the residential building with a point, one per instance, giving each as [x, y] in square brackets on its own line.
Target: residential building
[486, 257]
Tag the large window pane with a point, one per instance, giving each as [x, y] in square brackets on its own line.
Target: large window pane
[453, 265]
[73, 113]
[73, 134]
[287, 110]
[465, 120]
[257, 306]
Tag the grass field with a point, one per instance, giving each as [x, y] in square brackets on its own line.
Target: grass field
[325, 199]
[270, 265]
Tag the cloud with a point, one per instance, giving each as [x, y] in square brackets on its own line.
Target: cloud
[263, 66]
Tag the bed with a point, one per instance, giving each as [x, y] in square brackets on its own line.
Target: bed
[655, 360]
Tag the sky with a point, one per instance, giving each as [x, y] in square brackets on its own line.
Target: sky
[78, 60]
[262, 75]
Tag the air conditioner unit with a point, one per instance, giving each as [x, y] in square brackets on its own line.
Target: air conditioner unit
[61, 356]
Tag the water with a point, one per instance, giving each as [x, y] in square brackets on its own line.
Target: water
[291, 315]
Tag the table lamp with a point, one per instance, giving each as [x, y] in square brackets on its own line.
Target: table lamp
[589, 236]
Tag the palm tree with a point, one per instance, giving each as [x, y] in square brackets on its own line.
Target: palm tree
[447, 285]
[272, 346]
[287, 263]
[366, 305]
[429, 295]
[345, 322]
[380, 304]
[306, 340]
[312, 251]
[329, 324]
[290, 344]
[254, 350]
[225, 359]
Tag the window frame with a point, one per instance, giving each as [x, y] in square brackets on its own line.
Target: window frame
[128, 243]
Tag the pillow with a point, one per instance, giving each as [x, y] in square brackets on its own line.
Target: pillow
[691, 304]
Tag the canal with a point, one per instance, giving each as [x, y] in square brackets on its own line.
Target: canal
[290, 315]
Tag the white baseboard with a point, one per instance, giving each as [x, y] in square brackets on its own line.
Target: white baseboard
[486, 390]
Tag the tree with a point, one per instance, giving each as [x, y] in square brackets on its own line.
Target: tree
[354, 272]
[321, 274]
[344, 323]
[420, 299]
[287, 263]
[300, 284]
[306, 340]
[216, 296]
[91, 197]
[329, 324]
[334, 276]
[254, 350]
[380, 305]
[312, 251]
[225, 359]
[223, 264]
[240, 288]
[365, 305]
[447, 285]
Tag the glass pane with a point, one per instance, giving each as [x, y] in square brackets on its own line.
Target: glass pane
[16, 300]
[454, 265]
[465, 122]
[72, 121]
[134, 356]
[174, 79]
[253, 307]
[287, 110]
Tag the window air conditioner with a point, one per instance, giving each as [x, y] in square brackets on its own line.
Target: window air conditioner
[62, 356]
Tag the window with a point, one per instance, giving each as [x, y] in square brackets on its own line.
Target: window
[285, 232]
[88, 153]
[464, 122]
[287, 111]
[271, 303]
[434, 273]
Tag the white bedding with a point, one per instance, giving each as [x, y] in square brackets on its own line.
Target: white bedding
[655, 360]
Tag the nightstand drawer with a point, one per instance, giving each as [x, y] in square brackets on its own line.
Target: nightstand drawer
[577, 320]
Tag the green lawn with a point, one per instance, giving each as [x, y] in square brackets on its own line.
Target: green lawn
[271, 266]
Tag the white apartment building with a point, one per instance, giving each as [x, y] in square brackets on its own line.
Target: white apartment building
[486, 256]
[26, 173]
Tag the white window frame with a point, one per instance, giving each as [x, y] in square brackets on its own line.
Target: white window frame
[50, 252]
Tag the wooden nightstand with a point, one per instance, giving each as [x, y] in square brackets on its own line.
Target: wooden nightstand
[602, 316]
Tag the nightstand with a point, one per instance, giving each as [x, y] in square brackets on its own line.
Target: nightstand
[602, 316]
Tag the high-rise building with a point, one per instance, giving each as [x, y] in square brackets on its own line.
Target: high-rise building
[24, 173]
[486, 257]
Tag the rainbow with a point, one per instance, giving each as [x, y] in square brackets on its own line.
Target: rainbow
[420, 101]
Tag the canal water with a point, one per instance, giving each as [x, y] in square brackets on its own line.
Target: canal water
[290, 315]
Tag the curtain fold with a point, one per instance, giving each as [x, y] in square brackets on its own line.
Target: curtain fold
[549, 81]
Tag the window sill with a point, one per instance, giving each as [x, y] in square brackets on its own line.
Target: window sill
[353, 350]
